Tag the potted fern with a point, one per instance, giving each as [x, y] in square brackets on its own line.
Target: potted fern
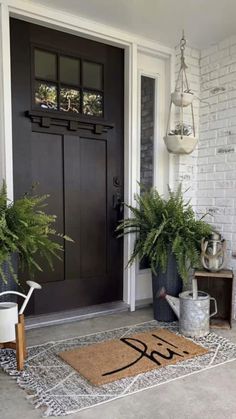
[169, 236]
[26, 234]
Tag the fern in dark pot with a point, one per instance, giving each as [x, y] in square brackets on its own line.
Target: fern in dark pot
[168, 235]
[27, 235]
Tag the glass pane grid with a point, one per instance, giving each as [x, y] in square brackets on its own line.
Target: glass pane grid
[58, 84]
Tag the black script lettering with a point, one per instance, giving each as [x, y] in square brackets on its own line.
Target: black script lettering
[166, 341]
[143, 353]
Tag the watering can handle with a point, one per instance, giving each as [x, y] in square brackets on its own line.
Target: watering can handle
[213, 299]
[33, 285]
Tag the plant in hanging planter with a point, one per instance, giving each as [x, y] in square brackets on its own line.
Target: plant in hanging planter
[26, 232]
[181, 140]
[181, 129]
[169, 236]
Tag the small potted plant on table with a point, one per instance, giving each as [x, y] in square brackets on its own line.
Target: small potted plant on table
[169, 236]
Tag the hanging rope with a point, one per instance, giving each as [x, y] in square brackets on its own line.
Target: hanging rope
[182, 76]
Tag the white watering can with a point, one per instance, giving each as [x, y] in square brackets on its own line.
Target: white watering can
[192, 309]
[9, 313]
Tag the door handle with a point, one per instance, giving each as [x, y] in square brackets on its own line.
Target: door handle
[118, 205]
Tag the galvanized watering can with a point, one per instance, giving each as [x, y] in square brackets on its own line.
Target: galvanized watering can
[9, 313]
[193, 311]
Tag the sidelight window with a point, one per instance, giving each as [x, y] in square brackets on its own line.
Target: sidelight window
[147, 106]
[67, 84]
[147, 131]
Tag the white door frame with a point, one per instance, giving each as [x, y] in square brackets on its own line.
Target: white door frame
[55, 19]
[150, 65]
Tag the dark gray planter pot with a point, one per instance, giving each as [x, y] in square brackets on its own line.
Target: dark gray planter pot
[172, 282]
[11, 284]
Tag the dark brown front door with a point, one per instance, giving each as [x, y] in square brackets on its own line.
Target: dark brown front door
[67, 95]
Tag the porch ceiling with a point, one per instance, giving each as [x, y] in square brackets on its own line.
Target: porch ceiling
[205, 21]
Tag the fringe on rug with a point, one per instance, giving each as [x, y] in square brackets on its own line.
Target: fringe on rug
[47, 405]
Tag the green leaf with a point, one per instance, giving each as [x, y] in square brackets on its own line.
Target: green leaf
[26, 229]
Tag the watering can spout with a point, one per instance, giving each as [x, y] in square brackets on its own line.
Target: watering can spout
[174, 304]
[172, 301]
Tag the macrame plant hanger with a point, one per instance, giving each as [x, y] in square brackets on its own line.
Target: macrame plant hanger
[181, 141]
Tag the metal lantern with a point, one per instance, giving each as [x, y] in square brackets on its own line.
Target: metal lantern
[213, 255]
[181, 140]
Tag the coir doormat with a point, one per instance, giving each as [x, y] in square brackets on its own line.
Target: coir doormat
[58, 389]
[128, 356]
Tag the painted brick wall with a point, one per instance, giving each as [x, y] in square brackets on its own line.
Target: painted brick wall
[216, 165]
[211, 170]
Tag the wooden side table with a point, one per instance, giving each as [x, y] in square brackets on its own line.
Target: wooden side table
[220, 286]
[20, 343]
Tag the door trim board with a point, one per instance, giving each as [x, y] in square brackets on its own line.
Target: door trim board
[85, 313]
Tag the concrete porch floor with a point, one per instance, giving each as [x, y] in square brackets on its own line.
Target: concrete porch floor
[208, 394]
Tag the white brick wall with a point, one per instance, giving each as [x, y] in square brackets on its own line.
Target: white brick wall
[212, 167]
[217, 141]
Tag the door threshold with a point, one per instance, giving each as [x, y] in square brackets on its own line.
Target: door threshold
[62, 317]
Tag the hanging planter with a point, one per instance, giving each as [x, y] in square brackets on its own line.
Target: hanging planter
[182, 98]
[178, 144]
[182, 139]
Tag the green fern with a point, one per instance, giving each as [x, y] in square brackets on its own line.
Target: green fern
[163, 226]
[25, 229]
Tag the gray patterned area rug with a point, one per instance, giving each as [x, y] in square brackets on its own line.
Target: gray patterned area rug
[57, 389]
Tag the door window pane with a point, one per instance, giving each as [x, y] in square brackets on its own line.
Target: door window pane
[92, 75]
[45, 95]
[92, 103]
[45, 65]
[69, 100]
[69, 70]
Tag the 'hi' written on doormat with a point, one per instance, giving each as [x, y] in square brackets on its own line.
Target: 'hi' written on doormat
[128, 356]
